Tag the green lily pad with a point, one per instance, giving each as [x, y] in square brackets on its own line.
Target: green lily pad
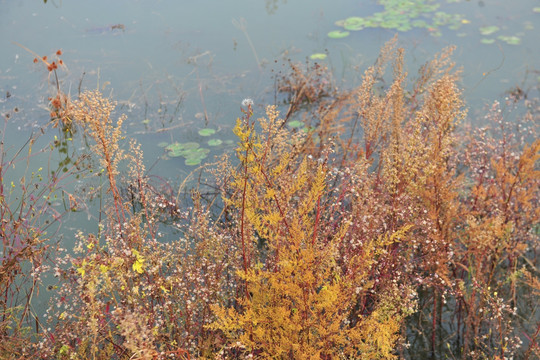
[177, 149]
[295, 124]
[176, 146]
[487, 41]
[197, 153]
[175, 153]
[488, 30]
[207, 132]
[338, 34]
[404, 27]
[403, 15]
[190, 145]
[192, 161]
[162, 144]
[214, 142]
[354, 23]
[318, 56]
[536, 9]
[510, 40]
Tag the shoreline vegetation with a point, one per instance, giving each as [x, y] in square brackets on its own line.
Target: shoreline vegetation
[370, 223]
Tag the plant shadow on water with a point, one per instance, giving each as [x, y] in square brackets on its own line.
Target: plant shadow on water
[359, 223]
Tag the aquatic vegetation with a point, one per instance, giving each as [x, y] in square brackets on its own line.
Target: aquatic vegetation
[353, 23]
[487, 41]
[214, 142]
[404, 16]
[337, 34]
[510, 40]
[318, 56]
[190, 151]
[488, 30]
[388, 230]
[295, 124]
[207, 132]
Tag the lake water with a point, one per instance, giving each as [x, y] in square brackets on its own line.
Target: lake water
[187, 65]
[177, 67]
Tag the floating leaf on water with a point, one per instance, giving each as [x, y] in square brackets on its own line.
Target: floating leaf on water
[195, 156]
[176, 146]
[354, 23]
[162, 144]
[488, 30]
[197, 153]
[190, 145]
[192, 161]
[207, 132]
[176, 153]
[536, 9]
[318, 56]
[510, 40]
[295, 124]
[487, 41]
[388, 24]
[340, 23]
[214, 142]
[404, 27]
[338, 34]
[419, 24]
[146, 121]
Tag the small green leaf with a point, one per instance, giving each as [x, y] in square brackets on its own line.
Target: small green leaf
[192, 161]
[214, 142]
[176, 146]
[354, 23]
[510, 40]
[318, 56]
[190, 145]
[207, 132]
[295, 124]
[338, 34]
[488, 30]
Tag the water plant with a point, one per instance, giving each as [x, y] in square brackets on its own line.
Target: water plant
[190, 151]
[214, 142]
[404, 16]
[488, 30]
[337, 34]
[388, 230]
[207, 132]
[318, 56]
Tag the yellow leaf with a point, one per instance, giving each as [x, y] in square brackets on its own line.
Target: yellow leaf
[138, 266]
[139, 262]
